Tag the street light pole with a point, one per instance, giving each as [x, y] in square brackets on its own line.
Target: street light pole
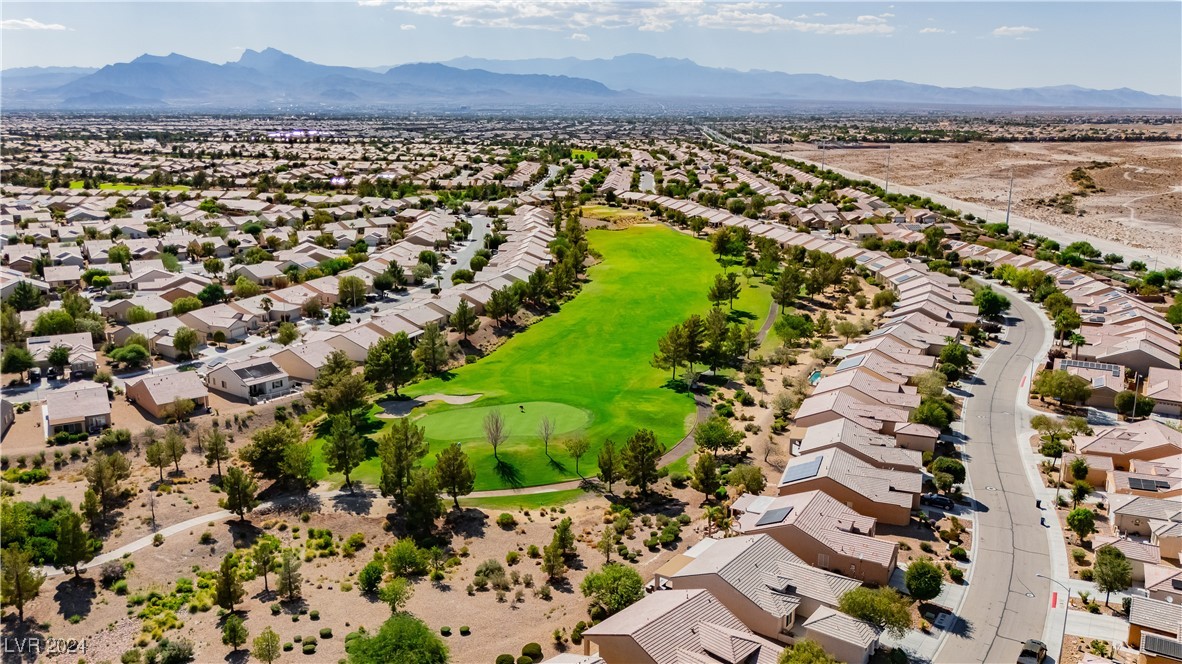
[1066, 608]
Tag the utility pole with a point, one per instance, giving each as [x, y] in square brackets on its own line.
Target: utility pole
[1010, 200]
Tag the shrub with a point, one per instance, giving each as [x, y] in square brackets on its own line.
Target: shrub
[275, 609]
[326, 632]
[157, 539]
[1126, 603]
[512, 557]
[926, 547]
[1086, 574]
[309, 648]
[445, 630]
[287, 647]
[370, 577]
[1079, 555]
[206, 538]
[314, 615]
[957, 574]
[120, 587]
[533, 551]
[959, 553]
[506, 659]
[506, 520]
[532, 651]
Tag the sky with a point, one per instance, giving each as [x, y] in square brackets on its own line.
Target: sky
[958, 44]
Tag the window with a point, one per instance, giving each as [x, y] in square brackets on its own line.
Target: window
[277, 383]
[223, 383]
[823, 560]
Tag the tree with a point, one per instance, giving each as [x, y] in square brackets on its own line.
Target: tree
[174, 447]
[453, 472]
[55, 321]
[422, 504]
[25, 296]
[245, 288]
[494, 431]
[20, 582]
[214, 266]
[337, 389]
[717, 435]
[212, 294]
[268, 447]
[288, 333]
[1080, 492]
[705, 478]
[131, 355]
[1126, 401]
[240, 489]
[546, 432]
[806, 651]
[103, 476]
[1079, 468]
[609, 463]
[402, 638]
[951, 466]
[216, 449]
[396, 593]
[432, 350]
[234, 632]
[1063, 386]
[464, 320]
[932, 412]
[553, 562]
[227, 587]
[847, 329]
[343, 448]
[287, 577]
[613, 588]
[502, 305]
[73, 544]
[266, 646]
[1067, 320]
[990, 303]
[16, 360]
[564, 537]
[184, 340]
[59, 358]
[924, 579]
[884, 608]
[639, 459]
[390, 362]
[787, 287]
[263, 557]
[746, 478]
[577, 446]
[1082, 522]
[672, 351]
[399, 451]
[1112, 573]
[351, 291]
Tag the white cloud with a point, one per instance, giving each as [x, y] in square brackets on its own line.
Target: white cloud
[579, 16]
[407, 26]
[1019, 31]
[748, 18]
[29, 24]
[579, 36]
[932, 31]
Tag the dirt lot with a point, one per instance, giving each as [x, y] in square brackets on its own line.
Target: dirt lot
[1074, 649]
[1141, 204]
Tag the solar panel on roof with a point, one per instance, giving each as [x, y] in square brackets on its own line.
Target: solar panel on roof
[1171, 648]
[802, 471]
[1140, 484]
[774, 516]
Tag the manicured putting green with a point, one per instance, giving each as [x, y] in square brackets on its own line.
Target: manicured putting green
[521, 421]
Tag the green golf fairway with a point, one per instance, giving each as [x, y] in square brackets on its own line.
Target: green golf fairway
[521, 421]
[587, 366]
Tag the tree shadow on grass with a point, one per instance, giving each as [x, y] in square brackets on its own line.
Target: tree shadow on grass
[244, 533]
[677, 385]
[75, 596]
[508, 473]
[557, 465]
[740, 316]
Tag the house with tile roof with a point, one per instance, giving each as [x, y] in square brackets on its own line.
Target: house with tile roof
[887, 495]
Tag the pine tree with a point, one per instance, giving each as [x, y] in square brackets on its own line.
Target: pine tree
[263, 556]
[234, 632]
[453, 470]
[227, 588]
[73, 544]
[288, 577]
[342, 448]
[240, 489]
[431, 350]
[20, 582]
[216, 449]
[609, 463]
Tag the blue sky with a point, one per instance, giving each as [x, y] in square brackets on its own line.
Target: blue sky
[997, 44]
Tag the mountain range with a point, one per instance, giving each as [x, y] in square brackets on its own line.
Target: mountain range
[273, 80]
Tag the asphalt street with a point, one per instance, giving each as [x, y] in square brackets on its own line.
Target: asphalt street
[1006, 603]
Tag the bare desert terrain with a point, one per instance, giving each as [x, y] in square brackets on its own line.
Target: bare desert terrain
[1138, 202]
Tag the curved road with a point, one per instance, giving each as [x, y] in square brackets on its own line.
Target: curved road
[1005, 604]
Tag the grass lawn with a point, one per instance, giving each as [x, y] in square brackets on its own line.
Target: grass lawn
[586, 366]
[108, 186]
[583, 154]
[529, 501]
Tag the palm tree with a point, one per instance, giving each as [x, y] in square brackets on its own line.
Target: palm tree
[1077, 340]
[266, 304]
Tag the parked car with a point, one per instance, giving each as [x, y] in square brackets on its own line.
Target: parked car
[34, 375]
[1033, 652]
[51, 372]
[936, 500]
